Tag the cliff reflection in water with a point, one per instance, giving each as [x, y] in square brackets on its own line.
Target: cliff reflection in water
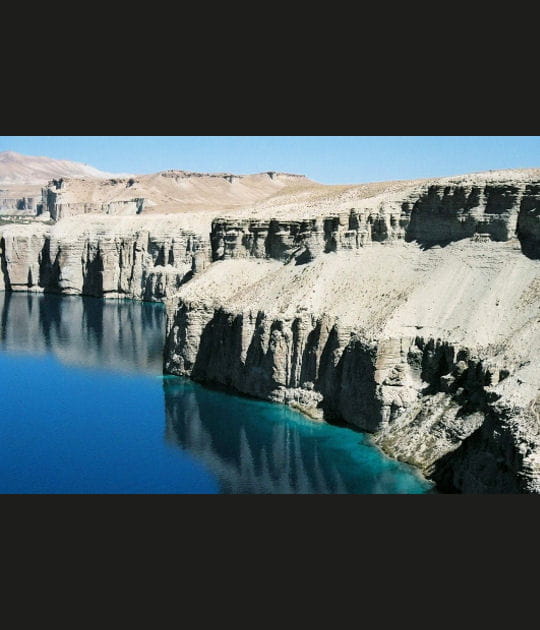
[232, 447]
[259, 447]
[88, 332]
[111, 428]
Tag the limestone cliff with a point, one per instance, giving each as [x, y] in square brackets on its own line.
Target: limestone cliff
[411, 312]
[133, 258]
[413, 316]
[431, 214]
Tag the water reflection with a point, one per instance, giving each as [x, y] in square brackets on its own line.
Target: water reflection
[256, 447]
[244, 445]
[88, 332]
[235, 452]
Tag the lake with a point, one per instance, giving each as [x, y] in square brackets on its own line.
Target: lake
[86, 409]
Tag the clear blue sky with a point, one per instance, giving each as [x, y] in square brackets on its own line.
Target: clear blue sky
[327, 159]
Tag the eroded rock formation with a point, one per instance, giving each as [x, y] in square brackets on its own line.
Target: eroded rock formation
[60, 204]
[433, 352]
[168, 191]
[412, 314]
[9, 204]
[145, 260]
[429, 215]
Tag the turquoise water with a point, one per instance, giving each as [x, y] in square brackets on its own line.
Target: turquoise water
[85, 409]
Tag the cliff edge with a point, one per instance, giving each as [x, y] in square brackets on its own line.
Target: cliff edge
[410, 310]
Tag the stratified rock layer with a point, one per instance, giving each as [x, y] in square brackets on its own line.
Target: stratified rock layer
[412, 314]
[429, 215]
[433, 352]
[129, 257]
[169, 191]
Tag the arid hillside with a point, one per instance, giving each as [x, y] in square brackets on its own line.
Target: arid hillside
[262, 195]
[176, 191]
[22, 178]
[17, 169]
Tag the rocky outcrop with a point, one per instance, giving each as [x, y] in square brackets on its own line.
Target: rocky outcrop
[142, 261]
[419, 368]
[528, 222]
[302, 240]
[61, 205]
[445, 213]
[412, 315]
[430, 215]
[29, 205]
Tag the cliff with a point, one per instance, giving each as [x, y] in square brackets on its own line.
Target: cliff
[431, 214]
[145, 259]
[10, 204]
[407, 309]
[411, 316]
[432, 353]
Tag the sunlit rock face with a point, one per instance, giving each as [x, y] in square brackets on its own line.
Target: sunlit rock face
[411, 314]
[430, 215]
[138, 260]
[431, 350]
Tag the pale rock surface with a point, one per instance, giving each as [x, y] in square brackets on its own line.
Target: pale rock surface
[407, 309]
[335, 339]
[22, 178]
[166, 192]
[140, 258]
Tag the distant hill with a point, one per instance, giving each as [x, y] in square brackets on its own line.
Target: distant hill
[183, 191]
[18, 169]
[23, 176]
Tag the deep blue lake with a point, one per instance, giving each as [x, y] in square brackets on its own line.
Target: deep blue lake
[86, 409]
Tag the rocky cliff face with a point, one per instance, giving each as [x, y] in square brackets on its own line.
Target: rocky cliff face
[61, 205]
[19, 204]
[433, 352]
[143, 260]
[499, 211]
[430, 215]
[425, 402]
[412, 315]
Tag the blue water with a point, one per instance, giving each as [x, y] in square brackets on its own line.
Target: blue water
[85, 409]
